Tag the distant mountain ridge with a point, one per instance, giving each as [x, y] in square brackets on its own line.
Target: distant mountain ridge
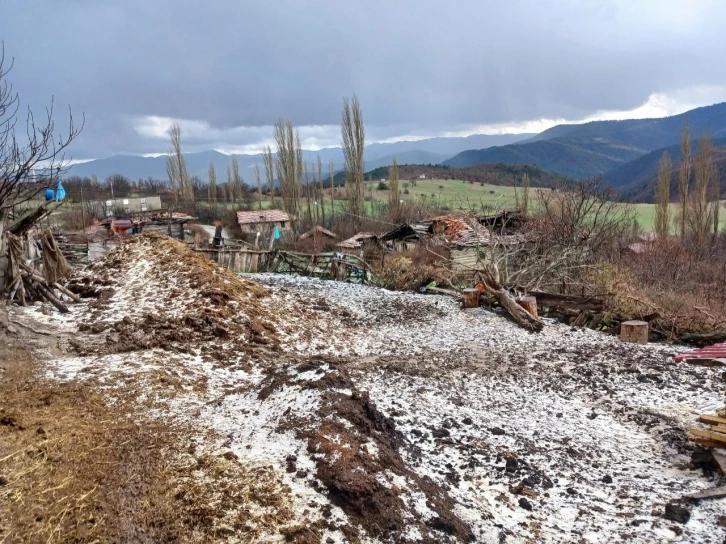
[427, 151]
[595, 148]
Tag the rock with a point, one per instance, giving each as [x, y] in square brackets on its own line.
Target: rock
[3, 481]
[676, 512]
[12, 330]
[467, 421]
[607, 479]
[511, 465]
[497, 431]
[571, 491]
[230, 456]
[524, 503]
[721, 521]
[291, 461]
[440, 433]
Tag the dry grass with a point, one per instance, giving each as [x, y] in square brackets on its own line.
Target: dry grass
[75, 468]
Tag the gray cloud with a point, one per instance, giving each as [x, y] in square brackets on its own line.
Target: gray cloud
[418, 66]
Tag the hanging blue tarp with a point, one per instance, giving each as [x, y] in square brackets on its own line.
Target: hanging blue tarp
[277, 233]
[60, 193]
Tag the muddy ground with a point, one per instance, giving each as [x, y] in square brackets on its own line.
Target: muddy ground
[210, 408]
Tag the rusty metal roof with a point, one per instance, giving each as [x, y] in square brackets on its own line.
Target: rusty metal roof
[716, 351]
[318, 230]
[262, 216]
[357, 240]
[463, 230]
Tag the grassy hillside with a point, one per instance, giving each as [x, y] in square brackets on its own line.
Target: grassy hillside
[492, 174]
[635, 177]
[565, 156]
[594, 148]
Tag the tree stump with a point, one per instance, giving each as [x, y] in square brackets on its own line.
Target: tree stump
[471, 298]
[634, 332]
[529, 304]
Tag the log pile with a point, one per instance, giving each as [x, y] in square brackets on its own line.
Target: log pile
[24, 284]
[714, 436]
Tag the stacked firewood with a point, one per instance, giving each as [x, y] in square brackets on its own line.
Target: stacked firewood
[23, 284]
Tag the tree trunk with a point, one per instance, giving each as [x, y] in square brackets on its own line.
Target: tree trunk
[471, 298]
[529, 304]
[634, 332]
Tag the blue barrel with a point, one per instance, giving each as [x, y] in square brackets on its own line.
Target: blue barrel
[49, 194]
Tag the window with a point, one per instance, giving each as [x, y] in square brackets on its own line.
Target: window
[282, 224]
[126, 201]
[143, 201]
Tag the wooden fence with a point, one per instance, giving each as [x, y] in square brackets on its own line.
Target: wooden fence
[335, 266]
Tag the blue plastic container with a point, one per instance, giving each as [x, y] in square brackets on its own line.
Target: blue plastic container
[49, 194]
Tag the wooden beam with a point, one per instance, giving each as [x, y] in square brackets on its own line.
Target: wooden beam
[721, 460]
[712, 493]
[712, 419]
[708, 435]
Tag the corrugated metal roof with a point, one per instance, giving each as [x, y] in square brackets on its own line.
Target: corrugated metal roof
[716, 351]
[262, 216]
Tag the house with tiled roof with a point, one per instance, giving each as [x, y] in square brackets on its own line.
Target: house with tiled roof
[263, 221]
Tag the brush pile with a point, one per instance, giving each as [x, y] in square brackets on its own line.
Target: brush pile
[151, 291]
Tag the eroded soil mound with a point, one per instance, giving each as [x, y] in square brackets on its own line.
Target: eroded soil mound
[153, 291]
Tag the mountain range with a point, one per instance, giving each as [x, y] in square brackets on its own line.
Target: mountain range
[598, 147]
[427, 151]
[625, 153]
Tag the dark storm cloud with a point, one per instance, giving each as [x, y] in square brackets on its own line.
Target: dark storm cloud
[421, 66]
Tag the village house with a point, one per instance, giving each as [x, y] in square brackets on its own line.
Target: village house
[125, 206]
[317, 239]
[358, 242]
[263, 221]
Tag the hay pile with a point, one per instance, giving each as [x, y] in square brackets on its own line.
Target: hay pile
[153, 291]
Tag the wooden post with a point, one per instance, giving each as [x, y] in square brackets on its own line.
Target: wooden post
[471, 298]
[634, 332]
[529, 304]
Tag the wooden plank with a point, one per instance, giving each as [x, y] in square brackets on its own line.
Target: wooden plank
[712, 493]
[721, 460]
[705, 443]
[712, 419]
[709, 435]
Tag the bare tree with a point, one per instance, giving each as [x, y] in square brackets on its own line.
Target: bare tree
[584, 215]
[322, 189]
[684, 177]
[289, 167]
[716, 198]
[34, 161]
[212, 187]
[663, 197]
[176, 168]
[259, 185]
[229, 186]
[525, 194]
[236, 181]
[699, 214]
[331, 169]
[269, 172]
[353, 133]
[394, 195]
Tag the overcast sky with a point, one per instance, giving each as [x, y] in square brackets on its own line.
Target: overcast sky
[226, 69]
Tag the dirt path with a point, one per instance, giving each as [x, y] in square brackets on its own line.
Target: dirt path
[215, 409]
